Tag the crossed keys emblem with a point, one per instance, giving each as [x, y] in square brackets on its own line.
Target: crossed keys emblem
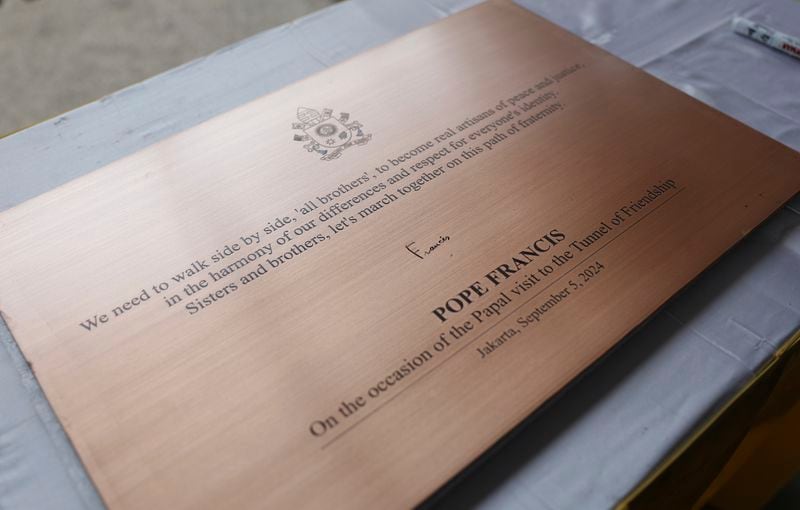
[327, 135]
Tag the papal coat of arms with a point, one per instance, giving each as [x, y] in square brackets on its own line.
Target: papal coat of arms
[328, 135]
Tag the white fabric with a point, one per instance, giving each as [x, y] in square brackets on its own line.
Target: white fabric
[603, 434]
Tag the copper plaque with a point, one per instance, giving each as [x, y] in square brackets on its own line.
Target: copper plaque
[340, 294]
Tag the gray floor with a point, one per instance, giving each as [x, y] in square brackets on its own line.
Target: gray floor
[58, 55]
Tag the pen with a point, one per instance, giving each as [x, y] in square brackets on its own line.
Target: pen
[766, 35]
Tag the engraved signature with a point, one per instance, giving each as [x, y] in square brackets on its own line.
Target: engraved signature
[421, 254]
